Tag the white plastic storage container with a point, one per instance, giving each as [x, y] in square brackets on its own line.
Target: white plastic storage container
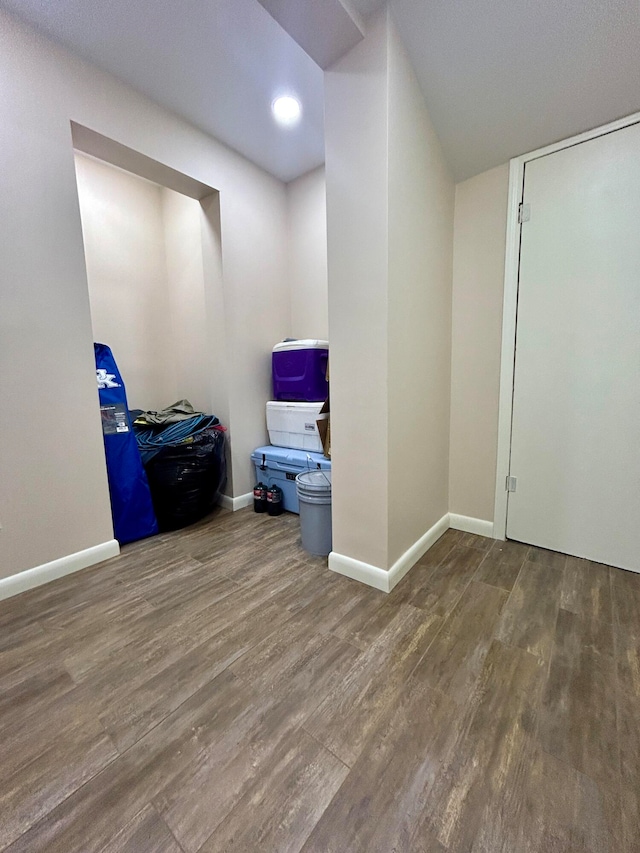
[294, 425]
[304, 343]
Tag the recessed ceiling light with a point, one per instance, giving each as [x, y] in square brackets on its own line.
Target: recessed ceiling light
[286, 110]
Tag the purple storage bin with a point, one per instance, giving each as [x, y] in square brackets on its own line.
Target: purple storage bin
[299, 370]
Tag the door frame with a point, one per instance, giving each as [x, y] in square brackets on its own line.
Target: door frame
[510, 306]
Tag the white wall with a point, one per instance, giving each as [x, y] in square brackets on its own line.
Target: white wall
[390, 218]
[192, 360]
[53, 494]
[421, 201]
[478, 283]
[307, 205]
[145, 270]
[124, 244]
[356, 149]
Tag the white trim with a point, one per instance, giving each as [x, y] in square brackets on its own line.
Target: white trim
[30, 578]
[236, 503]
[594, 133]
[411, 556]
[359, 571]
[242, 501]
[508, 352]
[510, 304]
[471, 525]
[381, 578]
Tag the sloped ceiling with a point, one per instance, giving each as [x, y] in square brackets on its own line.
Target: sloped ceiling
[217, 63]
[503, 77]
[500, 77]
[325, 29]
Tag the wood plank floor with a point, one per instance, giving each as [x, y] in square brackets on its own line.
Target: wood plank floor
[217, 689]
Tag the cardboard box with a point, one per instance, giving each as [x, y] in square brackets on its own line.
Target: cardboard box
[324, 428]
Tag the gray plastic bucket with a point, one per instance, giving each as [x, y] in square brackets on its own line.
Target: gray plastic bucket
[314, 497]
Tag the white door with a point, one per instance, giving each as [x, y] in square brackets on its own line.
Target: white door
[575, 444]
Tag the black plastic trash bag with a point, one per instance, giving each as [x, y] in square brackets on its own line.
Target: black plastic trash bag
[187, 479]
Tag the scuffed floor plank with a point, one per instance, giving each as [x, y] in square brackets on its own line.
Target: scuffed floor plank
[280, 809]
[146, 833]
[578, 714]
[369, 690]
[529, 618]
[379, 805]
[454, 660]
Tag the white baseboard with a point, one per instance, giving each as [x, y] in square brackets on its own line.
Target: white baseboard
[236, 503]
[471, 525]
[30, 578]
[411, 556]
[380, 578]
[359, 571]
[364, 572]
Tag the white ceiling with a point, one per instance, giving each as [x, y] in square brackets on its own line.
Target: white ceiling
[216, 63]
[500, 77]
[503, 77]
[324, 29]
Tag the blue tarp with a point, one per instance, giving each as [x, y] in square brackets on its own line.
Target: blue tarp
[151, 440]
[131, 506]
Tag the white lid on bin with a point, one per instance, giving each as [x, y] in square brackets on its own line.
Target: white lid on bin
[297, 405]
[307, 343]
[314, 481]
